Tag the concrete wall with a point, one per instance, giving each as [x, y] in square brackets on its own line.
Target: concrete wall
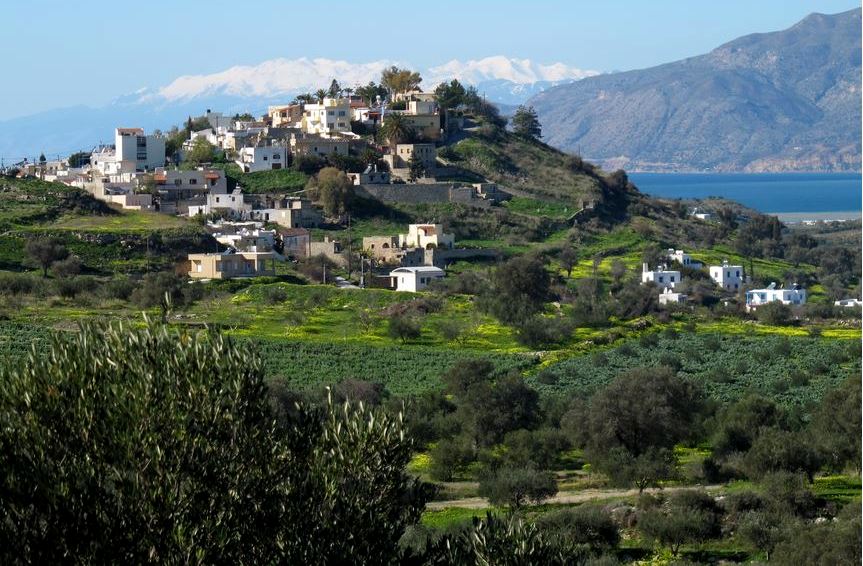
[413, 193]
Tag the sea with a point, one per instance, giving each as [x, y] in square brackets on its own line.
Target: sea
[793, 197]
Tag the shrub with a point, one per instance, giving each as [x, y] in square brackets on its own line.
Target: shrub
[589, 525]
[404, 328]
[516, 486]
[775, 314]
[134, 445]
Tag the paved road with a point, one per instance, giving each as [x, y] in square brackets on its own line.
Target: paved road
[581, 496]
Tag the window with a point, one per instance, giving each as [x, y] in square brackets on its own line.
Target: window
[341, 112]
[737, 273]
[672, 279]
[276, 156]
[661, 278]
[265, 158]
[193, 181]
[331, 113]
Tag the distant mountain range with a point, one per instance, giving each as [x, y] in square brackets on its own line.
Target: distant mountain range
[253, 88]
[782, 101]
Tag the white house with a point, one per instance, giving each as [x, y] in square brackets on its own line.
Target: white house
[245, 240]
[669, 297]
[426, 236]
[661, 276]
[233, 203]
[415, 279]
[331, 116]
[682, 258]
[729, 277]
[132, 151]
[848, 303]
[793, 296]
[265, 158]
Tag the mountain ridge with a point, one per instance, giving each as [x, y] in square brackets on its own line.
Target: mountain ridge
[778, 101]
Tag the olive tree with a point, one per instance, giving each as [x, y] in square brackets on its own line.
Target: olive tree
[124, 444]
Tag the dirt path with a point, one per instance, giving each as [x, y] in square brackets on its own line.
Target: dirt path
[581, 496]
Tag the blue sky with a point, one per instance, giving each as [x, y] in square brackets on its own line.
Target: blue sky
[57, 55]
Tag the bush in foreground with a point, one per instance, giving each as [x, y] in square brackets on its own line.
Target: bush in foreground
[133, 445]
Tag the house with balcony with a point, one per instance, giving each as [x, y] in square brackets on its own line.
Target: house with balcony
[286, 115]
[795, 295]
[262, 158]
[133, 151]
[330, 116]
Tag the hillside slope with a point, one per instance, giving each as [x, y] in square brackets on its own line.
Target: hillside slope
[781, 101]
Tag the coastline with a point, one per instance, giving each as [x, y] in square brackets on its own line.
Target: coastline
[825, 216]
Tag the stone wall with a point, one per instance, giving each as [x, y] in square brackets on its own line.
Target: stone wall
[416, 193]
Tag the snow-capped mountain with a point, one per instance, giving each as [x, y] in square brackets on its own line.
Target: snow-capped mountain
[251, 88]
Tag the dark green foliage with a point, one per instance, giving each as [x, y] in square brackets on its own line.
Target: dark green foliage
[141, 445]
[686, 516]
[504, 541]
[164, 290]
[718, 372]
[403, 327]
[778, 450]
[775, 314]
[44, 252]
[450, 95]
[834, 543]
[835, 427]
[525, 122]
[79, 159]
[449, 457]
[635, 422]
[538, 449]
[334, 190]
[588, 525]
[514, 487]
[520, 288]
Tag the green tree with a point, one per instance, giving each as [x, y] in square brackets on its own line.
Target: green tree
[525, 122]
[403, 327]
[520, 288]
[335, 90]
[450, 95]
[778, 450]
[416, 168]
[320, 95]
[334, 190]
[836, 425]
[635, 422]
[568, 258]
[589, 525]
[79, 159]
[687, 516]
[516, 486]
[44, 252]
[827, 544]
[125, 444]
[397, 80]
[371, 92]
[202, 151]
[396, 130]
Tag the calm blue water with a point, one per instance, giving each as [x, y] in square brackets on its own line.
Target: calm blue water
[765, 192]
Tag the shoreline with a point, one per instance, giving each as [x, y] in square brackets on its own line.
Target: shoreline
[822, 216]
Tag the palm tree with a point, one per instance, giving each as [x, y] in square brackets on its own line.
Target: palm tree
[321, 94]
[396, 129]
[306, 98]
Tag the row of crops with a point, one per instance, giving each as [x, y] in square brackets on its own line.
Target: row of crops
[795, 371]
[404, 371]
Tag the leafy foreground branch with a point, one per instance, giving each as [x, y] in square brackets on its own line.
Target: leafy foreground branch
[126, 445]
[139, 445]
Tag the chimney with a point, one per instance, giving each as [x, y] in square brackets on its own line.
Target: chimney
[644, 268]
